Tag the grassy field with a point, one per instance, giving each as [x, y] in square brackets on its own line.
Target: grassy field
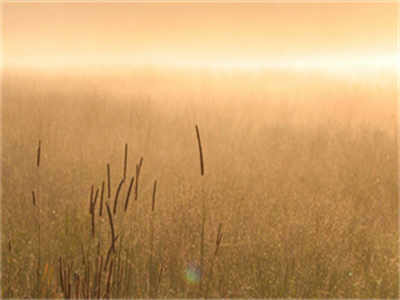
[299, 196]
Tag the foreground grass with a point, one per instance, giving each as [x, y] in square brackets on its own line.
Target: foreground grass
[283, 210]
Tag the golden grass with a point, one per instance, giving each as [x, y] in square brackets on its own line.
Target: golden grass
[306, 191]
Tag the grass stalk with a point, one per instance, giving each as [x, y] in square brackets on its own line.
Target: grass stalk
[200, 151]
[152, 275]
[33, 198]
[107, 295]
[92, 210]
[117, 195]
[217, 246]
[101, 199]
[153, 203]
[129, 193]
[91, 198]
[38, 214]
[111, 225]
[108, 181]
[138, 169]
[38, 153]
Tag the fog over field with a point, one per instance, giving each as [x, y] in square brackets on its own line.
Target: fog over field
[191, 162]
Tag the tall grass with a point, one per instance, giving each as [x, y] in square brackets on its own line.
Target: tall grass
[307, 196]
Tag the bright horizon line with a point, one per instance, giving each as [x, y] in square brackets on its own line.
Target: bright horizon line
[326, 62]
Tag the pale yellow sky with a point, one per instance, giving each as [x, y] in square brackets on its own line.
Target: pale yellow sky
[198, 33]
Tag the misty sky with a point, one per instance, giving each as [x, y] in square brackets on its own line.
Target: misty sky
[44, 33]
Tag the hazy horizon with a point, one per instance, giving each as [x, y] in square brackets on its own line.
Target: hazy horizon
[206, 35]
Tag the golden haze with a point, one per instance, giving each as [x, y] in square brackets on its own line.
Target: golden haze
[222, 35]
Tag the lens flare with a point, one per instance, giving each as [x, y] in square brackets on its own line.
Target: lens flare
[192, 274]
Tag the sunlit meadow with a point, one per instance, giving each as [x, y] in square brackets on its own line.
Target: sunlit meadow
[301, 171]
[147, 153]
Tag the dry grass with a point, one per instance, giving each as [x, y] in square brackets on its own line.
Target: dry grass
[301, 171]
